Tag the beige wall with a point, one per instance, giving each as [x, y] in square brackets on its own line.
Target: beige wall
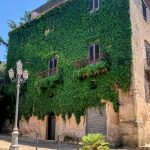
[127, 119]
[33, 126]
[34, 15]
[140, 33]
[70, 127]
[113, 135]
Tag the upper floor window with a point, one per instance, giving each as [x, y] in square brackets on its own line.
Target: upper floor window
[147, 47]
[144, 9]
[94, 53]
[52, 68]
[93, 5]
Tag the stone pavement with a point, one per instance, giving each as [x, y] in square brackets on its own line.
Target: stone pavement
[30, 144]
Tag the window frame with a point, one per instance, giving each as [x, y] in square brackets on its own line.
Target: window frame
[144, 10]
[147, 49]
[94, 53]
[93, 6]
[97, 7]
[147, 87]
[53, 69]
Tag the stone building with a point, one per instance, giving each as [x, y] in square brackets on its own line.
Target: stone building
[131, 125]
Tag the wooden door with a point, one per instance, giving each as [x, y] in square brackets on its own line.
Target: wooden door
[51, 126]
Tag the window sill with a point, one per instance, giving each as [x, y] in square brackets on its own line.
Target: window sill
[94, 10]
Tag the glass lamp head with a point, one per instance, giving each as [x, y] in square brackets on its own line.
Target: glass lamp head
[11, 73]
[19, 68]
[25, 74]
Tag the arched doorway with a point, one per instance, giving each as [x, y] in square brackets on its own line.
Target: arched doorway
[51, 126]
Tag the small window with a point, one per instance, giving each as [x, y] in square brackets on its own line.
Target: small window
[93, 5]
[144, 9]
[147, 87]
[52, 68]
[147, 47]
[94, 53]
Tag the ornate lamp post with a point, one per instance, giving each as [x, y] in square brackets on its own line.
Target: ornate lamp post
[21, 77]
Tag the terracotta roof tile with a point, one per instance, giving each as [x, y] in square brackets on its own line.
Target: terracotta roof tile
[47, 6]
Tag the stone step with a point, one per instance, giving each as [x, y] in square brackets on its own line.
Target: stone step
[144, 148]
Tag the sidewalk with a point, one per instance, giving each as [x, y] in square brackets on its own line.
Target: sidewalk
[30, 144]
[5, 146]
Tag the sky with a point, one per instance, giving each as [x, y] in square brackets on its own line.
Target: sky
[13, 10]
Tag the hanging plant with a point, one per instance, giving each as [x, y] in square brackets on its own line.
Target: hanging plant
[92, 70]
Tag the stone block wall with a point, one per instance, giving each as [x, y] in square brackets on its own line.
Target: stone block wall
[127, 120]
[140, 34]
[113, 135]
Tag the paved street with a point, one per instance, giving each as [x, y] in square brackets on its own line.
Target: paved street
[29, 144]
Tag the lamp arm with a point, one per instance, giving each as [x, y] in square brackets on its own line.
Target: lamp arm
[13, 80]
[22, 80]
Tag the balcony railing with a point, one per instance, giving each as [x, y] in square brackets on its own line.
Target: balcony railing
[47, 73]
[81, 63]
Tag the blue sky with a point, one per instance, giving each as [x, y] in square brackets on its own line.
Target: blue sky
[13, 9]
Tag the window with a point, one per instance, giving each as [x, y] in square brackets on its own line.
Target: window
[94, 54]
[147, 47]
[93, 5]
[147, 87]
[52, 68]
[144, 8]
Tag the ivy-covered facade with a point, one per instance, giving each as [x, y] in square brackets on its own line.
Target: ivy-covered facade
[76, 56]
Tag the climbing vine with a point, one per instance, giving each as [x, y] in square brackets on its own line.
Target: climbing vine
[75, 29]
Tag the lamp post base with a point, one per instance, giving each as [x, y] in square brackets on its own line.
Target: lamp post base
[14, 142]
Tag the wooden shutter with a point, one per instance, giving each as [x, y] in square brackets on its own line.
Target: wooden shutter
[90, 5]
[96, 121]
[51, 64]
[148, 54]
[91, 53]
[96, 52]
[55, 62]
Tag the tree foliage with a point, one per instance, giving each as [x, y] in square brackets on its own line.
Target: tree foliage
[25, 19]
[2, 41]
[12, 25]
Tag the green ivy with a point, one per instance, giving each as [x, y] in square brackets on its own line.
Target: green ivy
[91, 70]
[75, 28]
